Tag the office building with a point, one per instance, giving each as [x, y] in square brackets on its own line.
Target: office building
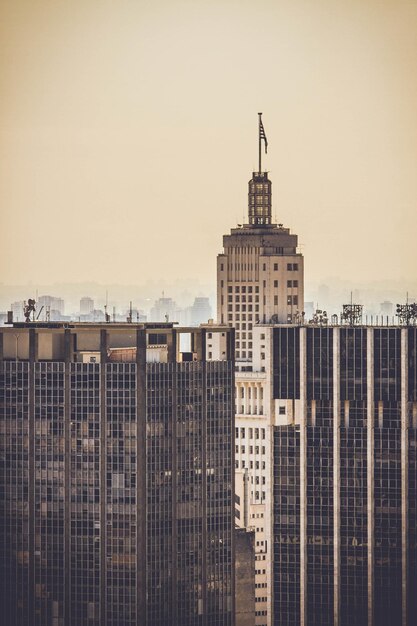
[260, 279]
[200, 311]
[55, 306]
[344, 410]
[165, 310]
[86, 305]
[117, 475]
[260, 273]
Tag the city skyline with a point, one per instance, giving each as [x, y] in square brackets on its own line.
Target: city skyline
[87, 135]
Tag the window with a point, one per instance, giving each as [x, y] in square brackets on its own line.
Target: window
[275, 283]
[282, 410]
[275, 267]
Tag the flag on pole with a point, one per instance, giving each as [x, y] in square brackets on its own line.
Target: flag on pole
[262, 134]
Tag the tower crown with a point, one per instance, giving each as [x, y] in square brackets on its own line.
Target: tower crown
[260, 199]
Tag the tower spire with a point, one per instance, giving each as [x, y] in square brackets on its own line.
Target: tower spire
[261, 136]
[260, 213]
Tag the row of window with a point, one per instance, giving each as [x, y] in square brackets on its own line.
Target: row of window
[252, 464]
[291, 267]
[257, 433]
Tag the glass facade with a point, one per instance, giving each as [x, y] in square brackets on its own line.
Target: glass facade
[14, 492]
[286, 529]
[354, 496]
[88, 451]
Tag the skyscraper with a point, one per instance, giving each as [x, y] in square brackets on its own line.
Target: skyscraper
[260, 279]
[116, 475]
[345, 474]
[260, 274]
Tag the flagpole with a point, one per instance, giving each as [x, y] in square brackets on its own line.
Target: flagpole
[259, 137]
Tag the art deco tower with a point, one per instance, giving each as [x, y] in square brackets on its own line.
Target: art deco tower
[260, 280]
[260, 275]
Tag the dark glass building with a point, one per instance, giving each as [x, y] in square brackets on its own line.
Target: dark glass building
[117, 475]
[345, 476]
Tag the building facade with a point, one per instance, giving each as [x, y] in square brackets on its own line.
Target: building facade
[260, 279]
[260, 274]
[117, 476]
[344, 475]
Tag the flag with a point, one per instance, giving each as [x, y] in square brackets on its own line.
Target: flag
[262, 135]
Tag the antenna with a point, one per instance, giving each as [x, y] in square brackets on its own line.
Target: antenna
[261, 136]
[259, 142]
[106, 315]
[40, 311]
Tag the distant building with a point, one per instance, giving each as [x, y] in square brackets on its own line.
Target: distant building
[51, 303]
[200, 311]
[86, 305]
[136, 315]
[308, 310]
[17, 310]
[117, 478]
[387, 308]
[164, 309]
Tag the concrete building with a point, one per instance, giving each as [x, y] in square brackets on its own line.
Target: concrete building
[17, 310]
[117, 477]
[164, 309]
[260, 279]
[200, 311]
[260, 274]
[50, 303]
[86, 305]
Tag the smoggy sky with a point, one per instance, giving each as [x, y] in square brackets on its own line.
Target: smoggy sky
[128, 132]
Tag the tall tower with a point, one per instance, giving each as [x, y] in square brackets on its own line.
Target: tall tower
[260, 280]
[260, 274]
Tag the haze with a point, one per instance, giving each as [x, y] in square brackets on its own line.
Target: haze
[129, 132]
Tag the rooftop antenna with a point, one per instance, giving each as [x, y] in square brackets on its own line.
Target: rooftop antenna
[106, 315]
[261, 136]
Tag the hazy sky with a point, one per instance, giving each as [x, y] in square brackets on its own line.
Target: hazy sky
[128, 132]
